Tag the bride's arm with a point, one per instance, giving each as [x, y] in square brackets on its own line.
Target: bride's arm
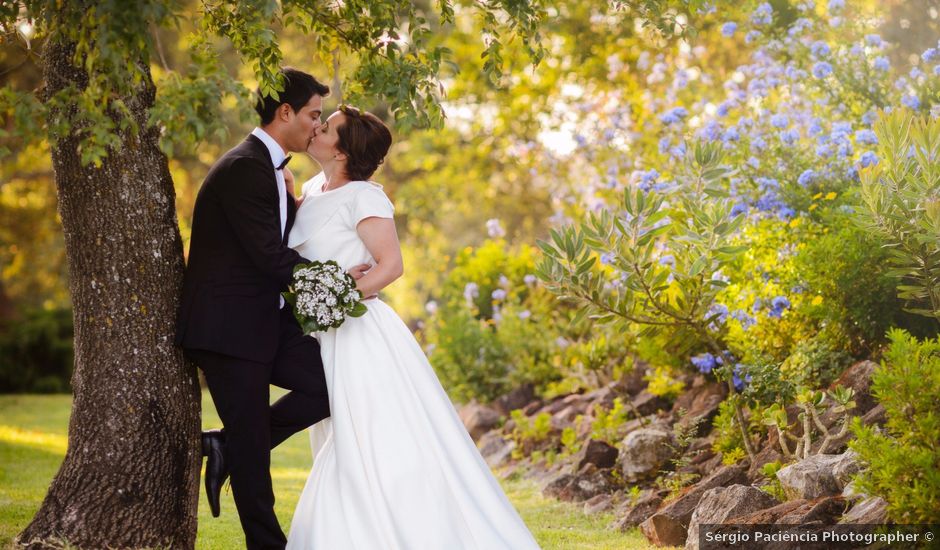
[381, 238]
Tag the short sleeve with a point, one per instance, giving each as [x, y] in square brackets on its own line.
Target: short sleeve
[371, 202]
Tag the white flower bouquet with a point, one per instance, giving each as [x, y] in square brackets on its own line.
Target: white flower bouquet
[322, 296]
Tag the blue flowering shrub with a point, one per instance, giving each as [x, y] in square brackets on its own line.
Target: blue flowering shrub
[903, 460]
[716, 208]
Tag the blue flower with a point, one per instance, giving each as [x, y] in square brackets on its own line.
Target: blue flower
[822, 69]
[778, 305]
[720, 314]
[866, 137]
[731, 134]
[529, 279]
[673, 115]
[739, 383]
[728, 28]
[746, 320]
[882, 64]
[932, 54]
[705, 362]
[763, 15]
[936, 70]
[499, 294]
[790, 136]
[607, 258]
[873, 40]
[738, 209]
[819, 49]
[724, 107]
[911, 101]
[664, 144]
[806, 178]
[868, 158]
[752, 37]
[836, 5]
[668, 259]
[779, 121]
[785, 213]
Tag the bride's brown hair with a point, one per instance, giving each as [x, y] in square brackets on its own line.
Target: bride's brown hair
[365, 141]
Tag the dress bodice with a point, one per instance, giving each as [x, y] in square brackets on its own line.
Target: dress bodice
[325, 226]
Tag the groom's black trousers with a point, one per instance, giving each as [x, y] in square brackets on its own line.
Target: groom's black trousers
[241, 393]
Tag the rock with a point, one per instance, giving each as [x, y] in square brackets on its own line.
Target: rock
[586, 484]
[875, 416]
[565, 417]
[669, 525]
[603, 397]
[770, 515]
[818, 475]
[597, 504]
[532, 408]
[640, 511]
[721, 504]
[765, 456]
[478, 419]
[644, 452]
[646, 403]
[870, 510]
[700, 404]
[824, 510]
[598, 453]
[858, 377]
[563, 402]
[554, 487]
[496, 449]
[634, 380]
[516, 399]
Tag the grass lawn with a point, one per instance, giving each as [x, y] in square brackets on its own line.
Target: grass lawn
[33, 439]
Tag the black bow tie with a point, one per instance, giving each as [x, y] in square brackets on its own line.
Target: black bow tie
[283, 163]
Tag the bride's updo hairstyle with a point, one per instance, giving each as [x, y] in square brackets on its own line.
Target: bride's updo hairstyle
[365, 141]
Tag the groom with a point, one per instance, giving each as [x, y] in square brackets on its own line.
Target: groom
[233, 322]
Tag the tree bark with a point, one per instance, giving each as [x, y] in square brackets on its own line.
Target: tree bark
[130, 477]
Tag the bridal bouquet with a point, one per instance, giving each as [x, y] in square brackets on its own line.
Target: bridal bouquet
[322, 295]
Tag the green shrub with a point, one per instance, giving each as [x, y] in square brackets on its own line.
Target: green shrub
[36, 352]
[857, 303]
[903, 461]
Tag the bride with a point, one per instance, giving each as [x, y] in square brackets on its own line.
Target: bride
[394, 468]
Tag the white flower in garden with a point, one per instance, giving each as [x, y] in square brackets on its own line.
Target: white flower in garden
[470, 292]
[494, 229]
[431, 307]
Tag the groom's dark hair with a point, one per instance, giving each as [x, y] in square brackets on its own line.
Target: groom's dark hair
[299, 87]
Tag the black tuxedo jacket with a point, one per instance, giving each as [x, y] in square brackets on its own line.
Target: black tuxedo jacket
[238, 261]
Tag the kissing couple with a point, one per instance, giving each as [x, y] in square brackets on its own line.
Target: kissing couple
[393, 466]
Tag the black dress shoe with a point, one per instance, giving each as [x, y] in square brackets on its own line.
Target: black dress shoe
[213, 442]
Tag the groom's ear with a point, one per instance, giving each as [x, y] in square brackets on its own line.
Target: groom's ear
[284, 112]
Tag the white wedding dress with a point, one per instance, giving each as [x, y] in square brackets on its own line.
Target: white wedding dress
[394, 468]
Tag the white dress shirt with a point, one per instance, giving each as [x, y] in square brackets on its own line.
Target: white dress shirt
[277, 157]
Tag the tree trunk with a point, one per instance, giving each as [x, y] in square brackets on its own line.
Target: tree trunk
[130, 478]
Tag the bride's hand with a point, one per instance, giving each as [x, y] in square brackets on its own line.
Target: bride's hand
[358, 272]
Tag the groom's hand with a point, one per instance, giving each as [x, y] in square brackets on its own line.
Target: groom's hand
[359, 272]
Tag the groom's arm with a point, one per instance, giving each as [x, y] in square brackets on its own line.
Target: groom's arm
[251, 208]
